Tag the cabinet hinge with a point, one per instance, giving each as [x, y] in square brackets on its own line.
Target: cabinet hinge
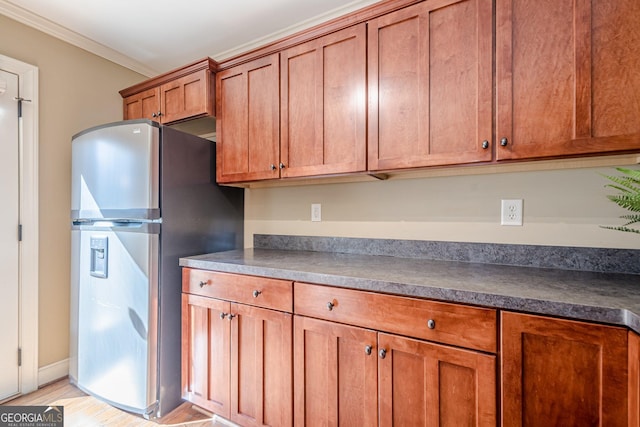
[19, 356]
[19, 232]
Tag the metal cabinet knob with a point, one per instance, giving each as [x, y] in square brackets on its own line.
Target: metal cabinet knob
[367, 350]
[223, 315]
[231, 316]
[159, 113]
[382, 353]
[485, 144]
[256, 293]
[504, 142]
[281, 165]
[330, 306]
[203, 283]
[154, 115]
[431, 324]
[273, 167]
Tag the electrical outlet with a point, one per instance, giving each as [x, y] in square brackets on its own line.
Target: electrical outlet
[511, 212]
[316, 212]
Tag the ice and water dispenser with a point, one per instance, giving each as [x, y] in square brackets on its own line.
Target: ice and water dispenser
[99, 256]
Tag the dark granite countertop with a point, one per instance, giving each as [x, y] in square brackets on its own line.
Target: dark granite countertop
[611, 298]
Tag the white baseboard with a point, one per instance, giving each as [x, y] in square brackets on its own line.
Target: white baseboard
[53, 372]
[217, 419]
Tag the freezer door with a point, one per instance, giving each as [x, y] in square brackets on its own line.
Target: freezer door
[114, 314]
[115, 171]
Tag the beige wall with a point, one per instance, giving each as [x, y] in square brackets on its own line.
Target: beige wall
[77, 90]
[561, 208]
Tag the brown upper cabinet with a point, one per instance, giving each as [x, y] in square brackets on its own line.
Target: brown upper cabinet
[323, 105]
[142, 105]
[567, 77]
[248, 121]
[178, 95]
[404, 84]
[297, 113]
[430, 85]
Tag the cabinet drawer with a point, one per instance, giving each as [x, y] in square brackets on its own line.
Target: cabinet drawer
[259, 291]
[447, 323]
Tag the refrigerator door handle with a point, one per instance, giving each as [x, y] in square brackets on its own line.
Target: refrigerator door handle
[117, 225]
[111, 224]
[152, 227]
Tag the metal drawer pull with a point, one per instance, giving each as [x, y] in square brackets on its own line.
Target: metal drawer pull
[330, 306]
[382, 353]
[367, 350]
[223, 315]
[203, 283]
[485, 144]
[256, 293]
[504, 142]
[431, 324]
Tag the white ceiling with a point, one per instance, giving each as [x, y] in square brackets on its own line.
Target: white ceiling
[155, 36]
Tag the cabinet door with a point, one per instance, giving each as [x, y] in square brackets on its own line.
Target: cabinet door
[334, 374]
[634, 379]
[143, 105]
[567, 77]
[561, 372]
[205, 353]
[187, 97]
[323, 107]
[248, 121]
[261, 371]
[430, 85]
[425, 384]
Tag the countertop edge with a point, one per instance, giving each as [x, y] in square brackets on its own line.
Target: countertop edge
[593, 313]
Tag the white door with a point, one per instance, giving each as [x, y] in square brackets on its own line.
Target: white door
[9, 245]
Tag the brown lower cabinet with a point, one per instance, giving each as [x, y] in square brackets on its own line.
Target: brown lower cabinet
[367, 359]
[236, 360]
[634, 379]
[350, 376]
[427, 384]
[335, 374]
[563, 373]
[354, 358]
[206, 353]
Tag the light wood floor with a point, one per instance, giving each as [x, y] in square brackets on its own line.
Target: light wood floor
[81, 410]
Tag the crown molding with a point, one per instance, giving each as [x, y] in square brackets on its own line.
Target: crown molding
[58, 31]
[40, 23]
[316, 20]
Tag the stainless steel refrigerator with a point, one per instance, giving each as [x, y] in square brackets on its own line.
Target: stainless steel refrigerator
[143, 195]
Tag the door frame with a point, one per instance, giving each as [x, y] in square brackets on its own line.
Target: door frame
[28, 205]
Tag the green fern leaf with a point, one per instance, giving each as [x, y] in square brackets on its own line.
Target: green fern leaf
[629, 202]
[628, 197]
[626, 229]
[632, 219]
[630, 180]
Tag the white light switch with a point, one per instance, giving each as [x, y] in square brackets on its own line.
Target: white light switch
[316, 212]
